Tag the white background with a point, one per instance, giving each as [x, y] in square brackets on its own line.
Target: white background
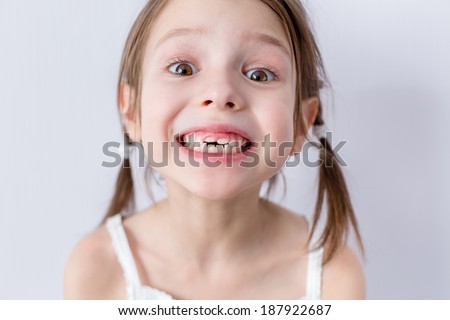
[388, 62]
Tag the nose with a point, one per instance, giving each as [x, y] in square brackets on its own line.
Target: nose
[229, 104]
[223, 93]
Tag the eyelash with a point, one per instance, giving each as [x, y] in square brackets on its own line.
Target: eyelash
[266, 67]
[175, 60]
[263, 67]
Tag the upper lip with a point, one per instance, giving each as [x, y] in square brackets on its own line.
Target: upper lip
[218, 128]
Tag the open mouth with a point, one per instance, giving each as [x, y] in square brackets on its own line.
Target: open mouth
[214, 142]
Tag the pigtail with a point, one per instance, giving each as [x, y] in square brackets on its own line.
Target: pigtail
[131, 74]
[340, 213]
[123, 197]
[311, 78]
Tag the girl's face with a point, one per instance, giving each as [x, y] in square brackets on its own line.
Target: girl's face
[211, 68]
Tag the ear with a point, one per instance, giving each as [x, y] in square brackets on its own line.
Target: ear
[310, 108]
[127, 104]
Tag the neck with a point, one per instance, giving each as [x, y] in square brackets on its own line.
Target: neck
[206, 232]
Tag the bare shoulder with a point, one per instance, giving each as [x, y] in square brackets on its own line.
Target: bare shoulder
[343, 277]
[92, 269]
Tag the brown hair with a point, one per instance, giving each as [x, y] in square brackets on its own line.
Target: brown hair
[311, 78]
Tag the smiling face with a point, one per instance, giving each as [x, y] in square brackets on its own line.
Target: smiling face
[221, 70]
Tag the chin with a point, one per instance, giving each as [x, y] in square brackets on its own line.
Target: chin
[216, 184]
[216, 187]
[215, 191]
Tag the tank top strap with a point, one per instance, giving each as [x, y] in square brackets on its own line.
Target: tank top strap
[123, 252]
[314, 276]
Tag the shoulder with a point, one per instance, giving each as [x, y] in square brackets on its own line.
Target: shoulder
[92, 268]
[343, 277]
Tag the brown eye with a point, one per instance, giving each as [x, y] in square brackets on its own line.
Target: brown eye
[259, 75]
[182, 69]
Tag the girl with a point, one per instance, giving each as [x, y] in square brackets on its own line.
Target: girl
[214, 91]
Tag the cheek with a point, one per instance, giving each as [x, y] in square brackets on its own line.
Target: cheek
[155, 116]
[160, 104]
[276, 120]
[276, 116]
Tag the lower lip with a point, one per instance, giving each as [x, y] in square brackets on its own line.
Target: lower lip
[212, 158]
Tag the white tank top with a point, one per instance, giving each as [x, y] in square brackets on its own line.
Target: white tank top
[137, 291]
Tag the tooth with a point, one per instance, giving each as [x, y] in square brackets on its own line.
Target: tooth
[203, 147]
[229, 148]
[219, 148]
[192, 144]
[196, 146]
[198, 140]
[223, 141]
[233, 143]
[210, 139]
[213, 149]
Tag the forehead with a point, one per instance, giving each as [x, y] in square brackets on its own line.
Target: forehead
[229, 19]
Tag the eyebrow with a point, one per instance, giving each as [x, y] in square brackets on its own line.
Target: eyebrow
[268, 39]
[180, 32]
[249, 36]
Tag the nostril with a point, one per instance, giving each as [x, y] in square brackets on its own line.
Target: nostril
[228, 104]
[207, 103]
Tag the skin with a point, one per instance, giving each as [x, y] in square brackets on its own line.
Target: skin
[230, 243]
